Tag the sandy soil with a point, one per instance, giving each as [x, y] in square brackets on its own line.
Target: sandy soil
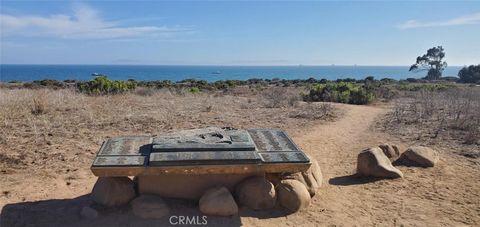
[446, 195]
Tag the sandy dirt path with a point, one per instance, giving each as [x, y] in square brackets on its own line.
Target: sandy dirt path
[335, 146]
[446, 195]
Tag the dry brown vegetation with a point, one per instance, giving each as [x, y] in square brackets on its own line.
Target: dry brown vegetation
[450, 118]
[40, 127]
[49, 137]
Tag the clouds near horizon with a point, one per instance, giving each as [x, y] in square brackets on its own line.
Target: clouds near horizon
[83, 23]
[462, 20]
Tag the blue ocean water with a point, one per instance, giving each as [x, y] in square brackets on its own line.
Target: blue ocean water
[209, 73]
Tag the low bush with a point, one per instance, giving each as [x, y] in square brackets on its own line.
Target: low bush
[343, 92]
[194, 90]
[101, 85]
[50, 83]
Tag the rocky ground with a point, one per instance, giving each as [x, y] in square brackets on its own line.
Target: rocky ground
[45, 160]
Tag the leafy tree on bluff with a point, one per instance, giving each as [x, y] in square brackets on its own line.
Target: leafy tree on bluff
[470, 74]
[431, 61]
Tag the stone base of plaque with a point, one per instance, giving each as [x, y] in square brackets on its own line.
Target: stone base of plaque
[187, 186]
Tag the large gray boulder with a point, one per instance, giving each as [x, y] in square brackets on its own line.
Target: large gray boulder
[373, 162]
[256, 193]
[420, 156]
[150, 207]
[113, 191]
[219, 202]
[293, 195]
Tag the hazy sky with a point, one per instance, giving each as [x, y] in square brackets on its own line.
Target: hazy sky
[237, 33]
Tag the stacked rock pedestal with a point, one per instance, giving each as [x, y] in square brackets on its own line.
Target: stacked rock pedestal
[292, 191]
[222, 169]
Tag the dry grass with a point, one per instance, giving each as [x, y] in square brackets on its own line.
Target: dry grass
[39, 128]
[278, 97]
[449, 117]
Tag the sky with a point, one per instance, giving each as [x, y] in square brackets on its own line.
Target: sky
[237, 33]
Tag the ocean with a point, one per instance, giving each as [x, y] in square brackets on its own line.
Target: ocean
[209, 73]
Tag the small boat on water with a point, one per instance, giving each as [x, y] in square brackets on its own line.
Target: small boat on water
[216, 72]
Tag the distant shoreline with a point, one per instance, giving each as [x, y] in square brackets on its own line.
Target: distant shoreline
[209, 73]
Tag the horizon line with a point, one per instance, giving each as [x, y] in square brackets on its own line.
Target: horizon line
[221, 65]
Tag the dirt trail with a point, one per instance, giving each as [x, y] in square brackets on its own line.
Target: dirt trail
[447, 195]
[335, 145]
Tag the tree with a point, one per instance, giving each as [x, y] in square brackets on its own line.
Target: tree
[431, 61]
[470, 74]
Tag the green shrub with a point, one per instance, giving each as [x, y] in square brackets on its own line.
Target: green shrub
[194, 90]
[343, 92]
[101, 85]
[49, 83]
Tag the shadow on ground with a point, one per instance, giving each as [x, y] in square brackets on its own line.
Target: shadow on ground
[353, 179]
[66, 212]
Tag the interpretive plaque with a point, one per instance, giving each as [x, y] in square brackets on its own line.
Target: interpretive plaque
[201, 151]
[130, 145]
[205, 157]
[119, 161]
[228, 140]
[272, 140]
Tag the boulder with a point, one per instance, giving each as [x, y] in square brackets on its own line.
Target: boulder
[293, 195]
[391, 151]
[316, 171]
[373, 162]
[150, 207]
[256, 193]
[311, 178]
[218, 201]
[88, 212]
[420, 156]
[113, 191]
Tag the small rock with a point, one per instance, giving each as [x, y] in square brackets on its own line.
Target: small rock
[113, 191]
[88, 212]
[420, 156]
[150, 206]
[373, 162]
[391, 151]
[256, 193]
[293, 195]
[219, 202]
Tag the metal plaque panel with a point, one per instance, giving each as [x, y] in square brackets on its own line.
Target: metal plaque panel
[202, 147]
[130, 145]
[103, 161]
[205, 157]
[272, 140]
[233, 140]
[284, 157]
